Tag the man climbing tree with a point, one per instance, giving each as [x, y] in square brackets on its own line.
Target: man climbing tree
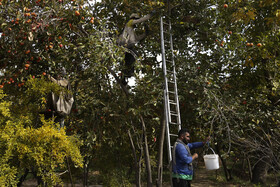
[61, 104]
[128, 39]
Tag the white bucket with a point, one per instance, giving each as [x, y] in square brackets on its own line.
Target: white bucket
[211, 161]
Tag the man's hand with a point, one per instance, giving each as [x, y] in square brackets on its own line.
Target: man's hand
[194, 156]
[207, 140]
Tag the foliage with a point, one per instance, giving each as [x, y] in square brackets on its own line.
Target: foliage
[43, 149]
[231, 76]
[227, 60]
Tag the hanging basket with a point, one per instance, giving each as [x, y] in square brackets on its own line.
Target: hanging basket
[211, 161]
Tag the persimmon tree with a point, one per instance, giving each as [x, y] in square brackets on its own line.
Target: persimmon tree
[227, 63]
[232, 77]
[23, 147]
[226, 59]
[47, 36]
[135, 117]
[39, 38]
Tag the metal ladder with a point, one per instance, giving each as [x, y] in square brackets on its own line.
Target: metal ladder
[171, 105]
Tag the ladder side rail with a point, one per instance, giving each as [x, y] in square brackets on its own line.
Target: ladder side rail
[170, 58]
[168, 133]
[166, 97]
[175, 78]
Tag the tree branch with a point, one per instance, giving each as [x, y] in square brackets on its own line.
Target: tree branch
[119, 81]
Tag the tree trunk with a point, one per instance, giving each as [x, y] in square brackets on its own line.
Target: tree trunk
[226, 170]
[137, 165]
[119, 81]
[259, 172]
[249, 169]
[22, 178]
[160, 154]
[85, 181]
[69, 169]
[147, 155]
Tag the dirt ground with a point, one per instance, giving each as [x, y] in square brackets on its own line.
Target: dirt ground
[203, 178]
[33, 183]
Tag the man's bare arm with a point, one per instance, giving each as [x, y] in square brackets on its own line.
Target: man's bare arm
[140, 20]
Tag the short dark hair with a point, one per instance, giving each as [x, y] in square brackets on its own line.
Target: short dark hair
[182, 132]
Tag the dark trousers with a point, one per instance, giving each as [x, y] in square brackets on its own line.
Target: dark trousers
[181, 183]
[129, 60]
[129, 64]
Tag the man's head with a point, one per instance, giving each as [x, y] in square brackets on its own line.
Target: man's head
[184, 135]
[61, 73]
[134, 16]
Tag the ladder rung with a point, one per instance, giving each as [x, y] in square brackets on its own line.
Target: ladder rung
[167, 41]
[172, 103]
[171, 81]
[167, 35]
[167, 32]
[171, 96]
[171, 78]
[173, 114]
[171, 92]
[173, 123]
[173, 135]
[170, 73]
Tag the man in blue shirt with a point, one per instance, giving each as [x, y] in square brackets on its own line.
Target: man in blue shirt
[182, 168]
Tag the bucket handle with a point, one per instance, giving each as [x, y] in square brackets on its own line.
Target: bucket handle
[211, 149]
